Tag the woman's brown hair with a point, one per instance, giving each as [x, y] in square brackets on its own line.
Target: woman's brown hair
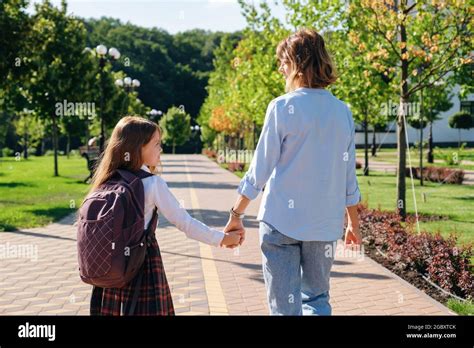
[123, 150]
[309, 62]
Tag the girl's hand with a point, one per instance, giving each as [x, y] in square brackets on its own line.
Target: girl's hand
[231, 239]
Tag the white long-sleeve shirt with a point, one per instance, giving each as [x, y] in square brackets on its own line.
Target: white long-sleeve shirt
[157, 194]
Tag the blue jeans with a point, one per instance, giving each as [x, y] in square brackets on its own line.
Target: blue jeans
[296, 273]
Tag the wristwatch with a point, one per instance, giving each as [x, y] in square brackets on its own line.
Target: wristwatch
[235, 214]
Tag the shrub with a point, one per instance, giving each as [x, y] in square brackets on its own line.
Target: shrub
[235, 166]
[441, 260]
[7, 152]
[209, 153]
[438, 174]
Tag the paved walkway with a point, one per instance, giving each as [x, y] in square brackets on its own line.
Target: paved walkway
[42, 277]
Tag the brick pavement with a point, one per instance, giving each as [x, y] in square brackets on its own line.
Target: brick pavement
[204, 280]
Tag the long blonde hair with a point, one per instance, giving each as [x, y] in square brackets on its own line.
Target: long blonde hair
[309, 62]
[123, 150]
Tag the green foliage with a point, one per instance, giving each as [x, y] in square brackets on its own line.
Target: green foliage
[176, 126]
[173, 69]
[245, 77]
[30, 129]
[451, 157]
[461, 120]
[14, 23]
[461, 307]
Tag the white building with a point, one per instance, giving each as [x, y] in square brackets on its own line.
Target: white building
[443, 135]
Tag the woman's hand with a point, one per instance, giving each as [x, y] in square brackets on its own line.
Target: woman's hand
[353, 238]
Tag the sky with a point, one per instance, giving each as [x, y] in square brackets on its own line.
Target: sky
[173, 16]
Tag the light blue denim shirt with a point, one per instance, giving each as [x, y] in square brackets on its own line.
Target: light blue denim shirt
[306, 158]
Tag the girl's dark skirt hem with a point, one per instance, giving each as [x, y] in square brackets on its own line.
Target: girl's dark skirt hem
[154, 297]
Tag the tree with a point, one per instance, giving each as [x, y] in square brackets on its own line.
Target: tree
[433, 34]
[14, 27]
[30, 130]
[461, 120]
[436, 99]
[397, 38]
[245, 79]
[176, 126]
[58, 64]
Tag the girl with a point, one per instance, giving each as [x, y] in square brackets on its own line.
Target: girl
[306, 158]
[134, 145]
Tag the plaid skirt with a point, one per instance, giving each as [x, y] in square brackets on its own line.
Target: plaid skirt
[154, 297]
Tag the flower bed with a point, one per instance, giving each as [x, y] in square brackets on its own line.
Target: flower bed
[439, 174]
[398, 247]
[209, 153]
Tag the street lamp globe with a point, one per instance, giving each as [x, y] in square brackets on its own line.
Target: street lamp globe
[101, 50]
[127, 81]
[114, 53]
[119, 83]
[135, 83]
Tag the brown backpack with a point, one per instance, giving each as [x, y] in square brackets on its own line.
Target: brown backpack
[111, 239]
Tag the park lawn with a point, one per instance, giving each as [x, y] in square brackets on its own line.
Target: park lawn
[456, 202]
[31, 196]
[390, 156]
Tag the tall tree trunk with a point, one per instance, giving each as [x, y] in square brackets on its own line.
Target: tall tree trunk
[421, 155]
[68, 145]
[401, 168]
[55, 145]
[374, 143]
[174, 148]
[366, 144]
[421, 137]
[25, 153]
[401, 151]
[430, 144]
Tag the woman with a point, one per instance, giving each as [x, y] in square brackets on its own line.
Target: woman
[306, 158]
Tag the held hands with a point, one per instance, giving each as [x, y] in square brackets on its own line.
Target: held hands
[235, 233]
[231, 239]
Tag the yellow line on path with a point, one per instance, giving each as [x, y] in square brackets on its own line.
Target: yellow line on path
[215, 295]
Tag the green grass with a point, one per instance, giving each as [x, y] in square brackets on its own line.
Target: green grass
[456, 202]
[31, 196]
[390, 156]
[461, 308]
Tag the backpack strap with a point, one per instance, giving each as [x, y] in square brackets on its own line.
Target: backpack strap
[142, 174]
[136, 292]
[153, 222]
[130, 176]
[96, 301]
